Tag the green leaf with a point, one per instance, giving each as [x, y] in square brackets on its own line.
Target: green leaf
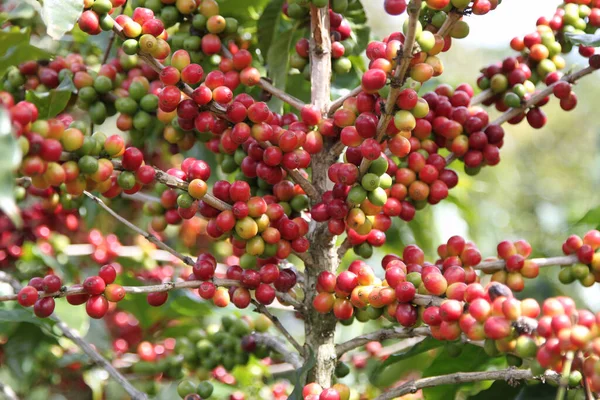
[19, 315]
[52, 103]
[21, 11]
[308, 364]
[471, 359]
[592, 217]
[268, 24]
[15, 49]
[20, 350]
[277, 64]
[10, 159]
[421, 347]
[588, 40]
[60, 16]
[244, 10]
[500, 390]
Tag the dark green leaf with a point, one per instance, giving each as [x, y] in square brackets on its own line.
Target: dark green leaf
[277, 64]
[538, 392]
[421, 347]
[500, 390]
[268, 25]
[472, 358]
[592, 217]
[20, 350]
[10, 158]
[52, 103]
[19, 315]
[15, 49]
[588, 40]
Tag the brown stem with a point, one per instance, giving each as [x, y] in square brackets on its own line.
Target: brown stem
[340, 101]
[263, 310]
[275, 344]
[453, 17]
[380, 335]
[414, 10]
[482, 97]
[280, 94]
[509, 374]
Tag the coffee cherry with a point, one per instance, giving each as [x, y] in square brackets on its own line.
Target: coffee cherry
[27, 296]
[94, 285]
[52, 283]
[114, 292]
[96, 306]
[44, 307]
[157, 299]
[394, 7]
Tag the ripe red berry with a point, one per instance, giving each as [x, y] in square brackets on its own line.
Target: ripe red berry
[27, 296]
[96, 306]
[44, 307]
[52, 283]
[94, 285]
[108, 273]
[157, 299]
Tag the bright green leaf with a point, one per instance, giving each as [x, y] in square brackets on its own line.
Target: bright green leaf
[588, 40]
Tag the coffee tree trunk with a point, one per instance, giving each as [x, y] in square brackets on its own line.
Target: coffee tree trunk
[319, 328]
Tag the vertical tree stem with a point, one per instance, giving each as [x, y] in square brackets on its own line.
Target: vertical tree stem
[320, 329]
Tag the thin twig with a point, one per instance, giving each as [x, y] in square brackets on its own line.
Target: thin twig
[275, 344]
[482, 97]
[498, 265]
[147, 235]
[564, 379]
[379, 336]
[536, 98]
[263, 310]
[403, 64]
[176, 183]
[510, 374]
[337, 103]
[453, 17]
[343, 249]
[265, 85]
[89, 350]
[99, 360]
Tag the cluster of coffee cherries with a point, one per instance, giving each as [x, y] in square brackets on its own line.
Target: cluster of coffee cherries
[517, 266]
[587, 272]
[513, 80]
[264, 283]
[96, 292]
[314, 391]
[96, 15]
[42, 76]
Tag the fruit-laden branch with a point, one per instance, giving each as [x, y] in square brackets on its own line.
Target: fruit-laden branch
[492, 266]
[510, 374]
[89, 350]
[163, 287]
[379, 336]
[535, 99]
[263, 310]
[344, 247]
[276, 345]
[162, 245]
[403, 63]
[176, 183]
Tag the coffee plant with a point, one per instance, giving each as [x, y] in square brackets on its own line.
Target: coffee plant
[196, 180]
